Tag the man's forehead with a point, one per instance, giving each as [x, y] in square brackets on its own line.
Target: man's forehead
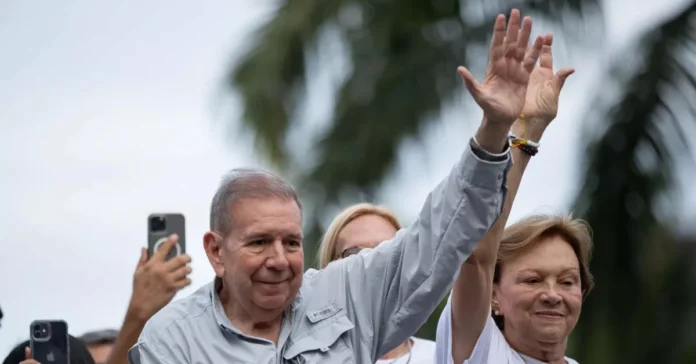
[269, 228]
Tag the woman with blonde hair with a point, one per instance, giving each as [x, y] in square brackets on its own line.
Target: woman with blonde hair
[364, 226]
[540, 279]
[519, 294]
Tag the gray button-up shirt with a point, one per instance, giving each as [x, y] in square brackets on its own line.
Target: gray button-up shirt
[357, 308]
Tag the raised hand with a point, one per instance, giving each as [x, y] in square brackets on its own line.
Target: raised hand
[157, 280]
[511, 62]
[541, 105]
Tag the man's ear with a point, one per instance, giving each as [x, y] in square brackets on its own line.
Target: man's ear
[213, 245]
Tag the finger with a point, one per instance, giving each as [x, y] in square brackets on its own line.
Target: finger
[513, 29]
[471, 84]
[164, 249]
[497, 44]
[182, 283]
[177, 262]
[27, 352]
[523, 41]
[181, 273]
[530, 59]
[546, 58]
[560, 77]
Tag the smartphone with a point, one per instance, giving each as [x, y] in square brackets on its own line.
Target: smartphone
[160, 226]
[49, 341]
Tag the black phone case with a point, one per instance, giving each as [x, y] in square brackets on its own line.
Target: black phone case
[54, 350]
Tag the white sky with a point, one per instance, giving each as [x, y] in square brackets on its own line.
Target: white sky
[106, 115]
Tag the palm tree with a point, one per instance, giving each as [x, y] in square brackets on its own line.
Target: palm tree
[645, 293]
[402, 56]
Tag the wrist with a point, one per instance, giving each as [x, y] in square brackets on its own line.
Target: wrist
[531, 129]
[136, 314]
[492, 137]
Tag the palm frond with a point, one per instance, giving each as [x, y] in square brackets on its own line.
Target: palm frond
[270, 77]
[618, 201]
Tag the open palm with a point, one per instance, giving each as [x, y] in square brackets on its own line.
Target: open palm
[502, 94]
[544, 86]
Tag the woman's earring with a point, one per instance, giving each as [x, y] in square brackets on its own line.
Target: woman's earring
[496, 312]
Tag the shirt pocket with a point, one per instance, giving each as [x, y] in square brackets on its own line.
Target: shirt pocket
[323, 343]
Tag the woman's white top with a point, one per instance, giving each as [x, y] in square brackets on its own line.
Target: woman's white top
[491, 347]
[422, 352]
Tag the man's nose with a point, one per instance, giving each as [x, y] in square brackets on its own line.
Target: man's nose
[277, 256]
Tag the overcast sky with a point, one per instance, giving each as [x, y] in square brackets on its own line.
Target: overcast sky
[106, 115]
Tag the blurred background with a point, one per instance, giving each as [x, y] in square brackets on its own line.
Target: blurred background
[109, 112]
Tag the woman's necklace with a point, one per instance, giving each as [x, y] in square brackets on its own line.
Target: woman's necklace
[408, 360]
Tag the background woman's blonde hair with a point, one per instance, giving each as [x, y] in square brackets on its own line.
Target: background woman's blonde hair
[526, 233]
[329, 245]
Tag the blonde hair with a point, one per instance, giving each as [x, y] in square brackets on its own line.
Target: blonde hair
[527, 232]
[329, 244]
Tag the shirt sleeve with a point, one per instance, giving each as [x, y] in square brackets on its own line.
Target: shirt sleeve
[143, 353]
[395, 287]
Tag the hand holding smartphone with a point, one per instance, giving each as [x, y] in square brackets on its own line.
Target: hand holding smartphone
[49, 341]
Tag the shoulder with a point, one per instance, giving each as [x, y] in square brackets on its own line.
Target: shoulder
[178, 316]
[570, 361]
[491, 346]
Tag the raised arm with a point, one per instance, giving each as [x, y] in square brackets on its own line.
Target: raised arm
[471, 293]
[154, 284]
[394, 288]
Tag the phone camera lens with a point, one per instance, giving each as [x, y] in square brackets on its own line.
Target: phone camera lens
[158, 223]
[38, 331]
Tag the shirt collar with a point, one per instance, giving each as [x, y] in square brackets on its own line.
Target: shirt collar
[219, 312]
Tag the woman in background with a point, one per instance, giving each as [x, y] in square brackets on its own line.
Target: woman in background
[366, 226]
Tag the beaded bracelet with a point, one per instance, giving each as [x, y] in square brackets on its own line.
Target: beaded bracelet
[527, 146]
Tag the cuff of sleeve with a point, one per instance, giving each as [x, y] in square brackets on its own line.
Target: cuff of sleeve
[486, 155]
[480, 171]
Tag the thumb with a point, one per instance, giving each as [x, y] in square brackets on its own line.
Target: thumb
[27, 353]
[560, 77]
[471, 84]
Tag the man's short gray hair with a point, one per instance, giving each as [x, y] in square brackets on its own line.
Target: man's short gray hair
[246, 183]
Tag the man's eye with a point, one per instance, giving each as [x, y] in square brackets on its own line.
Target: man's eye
[258, 242]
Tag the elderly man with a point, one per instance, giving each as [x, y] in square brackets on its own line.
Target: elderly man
[262, 309]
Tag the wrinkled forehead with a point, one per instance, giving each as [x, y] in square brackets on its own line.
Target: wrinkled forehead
[552, 254]
[265, 216]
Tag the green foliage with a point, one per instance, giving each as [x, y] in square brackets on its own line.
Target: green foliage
[641, 293]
